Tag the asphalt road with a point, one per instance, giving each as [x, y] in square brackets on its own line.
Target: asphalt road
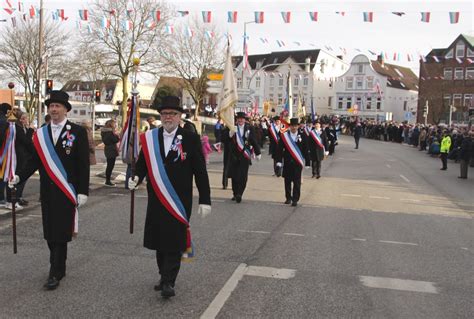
[383, 234]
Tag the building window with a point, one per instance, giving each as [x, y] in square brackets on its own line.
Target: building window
[257, 82]
[470, 53]
[468, 100]
[457, 100]
[359, 83]
[272, 80]
[270, 96]
[248, 82]
[405, 104]
[447, 99]
[458, 73]
[280, 99]
[280, 82]
[239, 82]
[449, 55]
[329, 100]
[348, 103]
[305, 81]
[349, 82]
[469, 73]
[368, 103]
[359, 102]
[296, 81]
[370, 82]
[360, 69]
[448, 73]
[340, 102]
[460, 50]
[258, 65]
[379, 103]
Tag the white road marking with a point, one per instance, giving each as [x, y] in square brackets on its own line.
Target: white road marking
[410, 200]
[293, 234]
[397, 242]
[465, 248]
[254, 231]
[359, 239]
[116, 194]
[351, 195]
[388, 165]
[379, 197]
[216, 305]
[404, 178]
[142, 196]
[398, 284]
[218, 200]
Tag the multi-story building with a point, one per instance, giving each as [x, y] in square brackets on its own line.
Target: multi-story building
[267, 79]
[375, 90]
[447, 82]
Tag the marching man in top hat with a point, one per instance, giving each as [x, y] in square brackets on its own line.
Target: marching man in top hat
[62, 158]
[241, 145]
[274, 132]
[293, 156]
[170, 157]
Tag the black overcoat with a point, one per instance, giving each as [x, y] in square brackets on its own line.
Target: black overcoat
[250, 142]
[163, 232]
[290, 165]
[57, 210]
[110, 140]
[315, 151]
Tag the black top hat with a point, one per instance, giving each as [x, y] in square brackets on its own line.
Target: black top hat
[240, 115]
[309, 120]
[276, 118]
[59, 97]
[170, 103]
[294, 121]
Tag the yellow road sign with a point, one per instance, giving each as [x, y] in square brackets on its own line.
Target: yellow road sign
[215, 76]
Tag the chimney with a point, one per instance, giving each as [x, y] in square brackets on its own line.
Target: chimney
[380, 60]
[339, 57]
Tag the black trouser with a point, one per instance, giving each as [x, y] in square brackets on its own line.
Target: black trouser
[316, 167]
[109, 168]
[240, 171]
[296, 180]
[18, 193]
[357, 141]
[444, 159]
[276, 169]
[464, 165]
[57, 259]
[168, 266]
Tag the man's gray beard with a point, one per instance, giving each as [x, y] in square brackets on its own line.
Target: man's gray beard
[169, 127]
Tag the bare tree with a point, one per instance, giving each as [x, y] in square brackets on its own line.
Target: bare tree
[194, 51]
[19, 57]
[122, 30]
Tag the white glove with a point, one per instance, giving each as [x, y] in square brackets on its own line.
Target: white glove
[326, 153]
[132, 183]
[15, 180]
[204, 210]
[259, 157]
[231, 133]
[306, 167]
[81, 200]
[278, 164]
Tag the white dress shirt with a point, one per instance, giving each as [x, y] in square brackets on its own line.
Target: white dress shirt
[294, 136]
[241, 129]
[168, 140]
[56, 129]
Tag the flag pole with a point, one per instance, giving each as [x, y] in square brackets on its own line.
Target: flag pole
[11, 172]
[136, 63]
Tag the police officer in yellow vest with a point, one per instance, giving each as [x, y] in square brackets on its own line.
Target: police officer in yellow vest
[444, 149]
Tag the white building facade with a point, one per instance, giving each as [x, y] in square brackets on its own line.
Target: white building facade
[374, 90]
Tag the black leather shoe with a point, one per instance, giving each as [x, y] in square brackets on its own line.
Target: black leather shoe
[238, 199]
[233, 198]
[293, 204]
[318, 177]
[158, 287]
[167, 291]
[287, 201]
[52, 283]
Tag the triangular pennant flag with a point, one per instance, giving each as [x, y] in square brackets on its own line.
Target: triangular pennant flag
[258, 16]
[286, 15]
[232, 16]
[206, 16]
[313, 16]
[454, 17]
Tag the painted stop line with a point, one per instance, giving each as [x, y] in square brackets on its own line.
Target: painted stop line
[268, 272]
[398, 284]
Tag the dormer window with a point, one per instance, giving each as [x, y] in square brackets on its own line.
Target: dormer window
[460, 50]
[449, 55]
[470, 53]
[360, 68]
[259, 64]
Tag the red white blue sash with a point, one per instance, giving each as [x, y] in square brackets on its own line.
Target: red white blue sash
[241, 145]
[54, 168]
[293, 148]
[307, 131]
[274, 132]
[161, 183]
[317, 139]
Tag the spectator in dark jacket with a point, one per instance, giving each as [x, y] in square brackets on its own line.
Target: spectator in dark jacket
[357, 134]
[110, 139]
[466, 152]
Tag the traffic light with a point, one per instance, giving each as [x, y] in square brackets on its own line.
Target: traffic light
[49, 86]
[97, 96]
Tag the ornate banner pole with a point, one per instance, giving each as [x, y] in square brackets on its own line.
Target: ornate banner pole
[10, 171]
[133, 137]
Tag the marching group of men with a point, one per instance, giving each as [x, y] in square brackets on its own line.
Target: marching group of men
[170, 159]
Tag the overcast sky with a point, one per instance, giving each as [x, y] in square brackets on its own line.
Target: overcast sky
[388, 32]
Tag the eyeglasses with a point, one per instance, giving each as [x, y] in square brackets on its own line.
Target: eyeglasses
[169, 113]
